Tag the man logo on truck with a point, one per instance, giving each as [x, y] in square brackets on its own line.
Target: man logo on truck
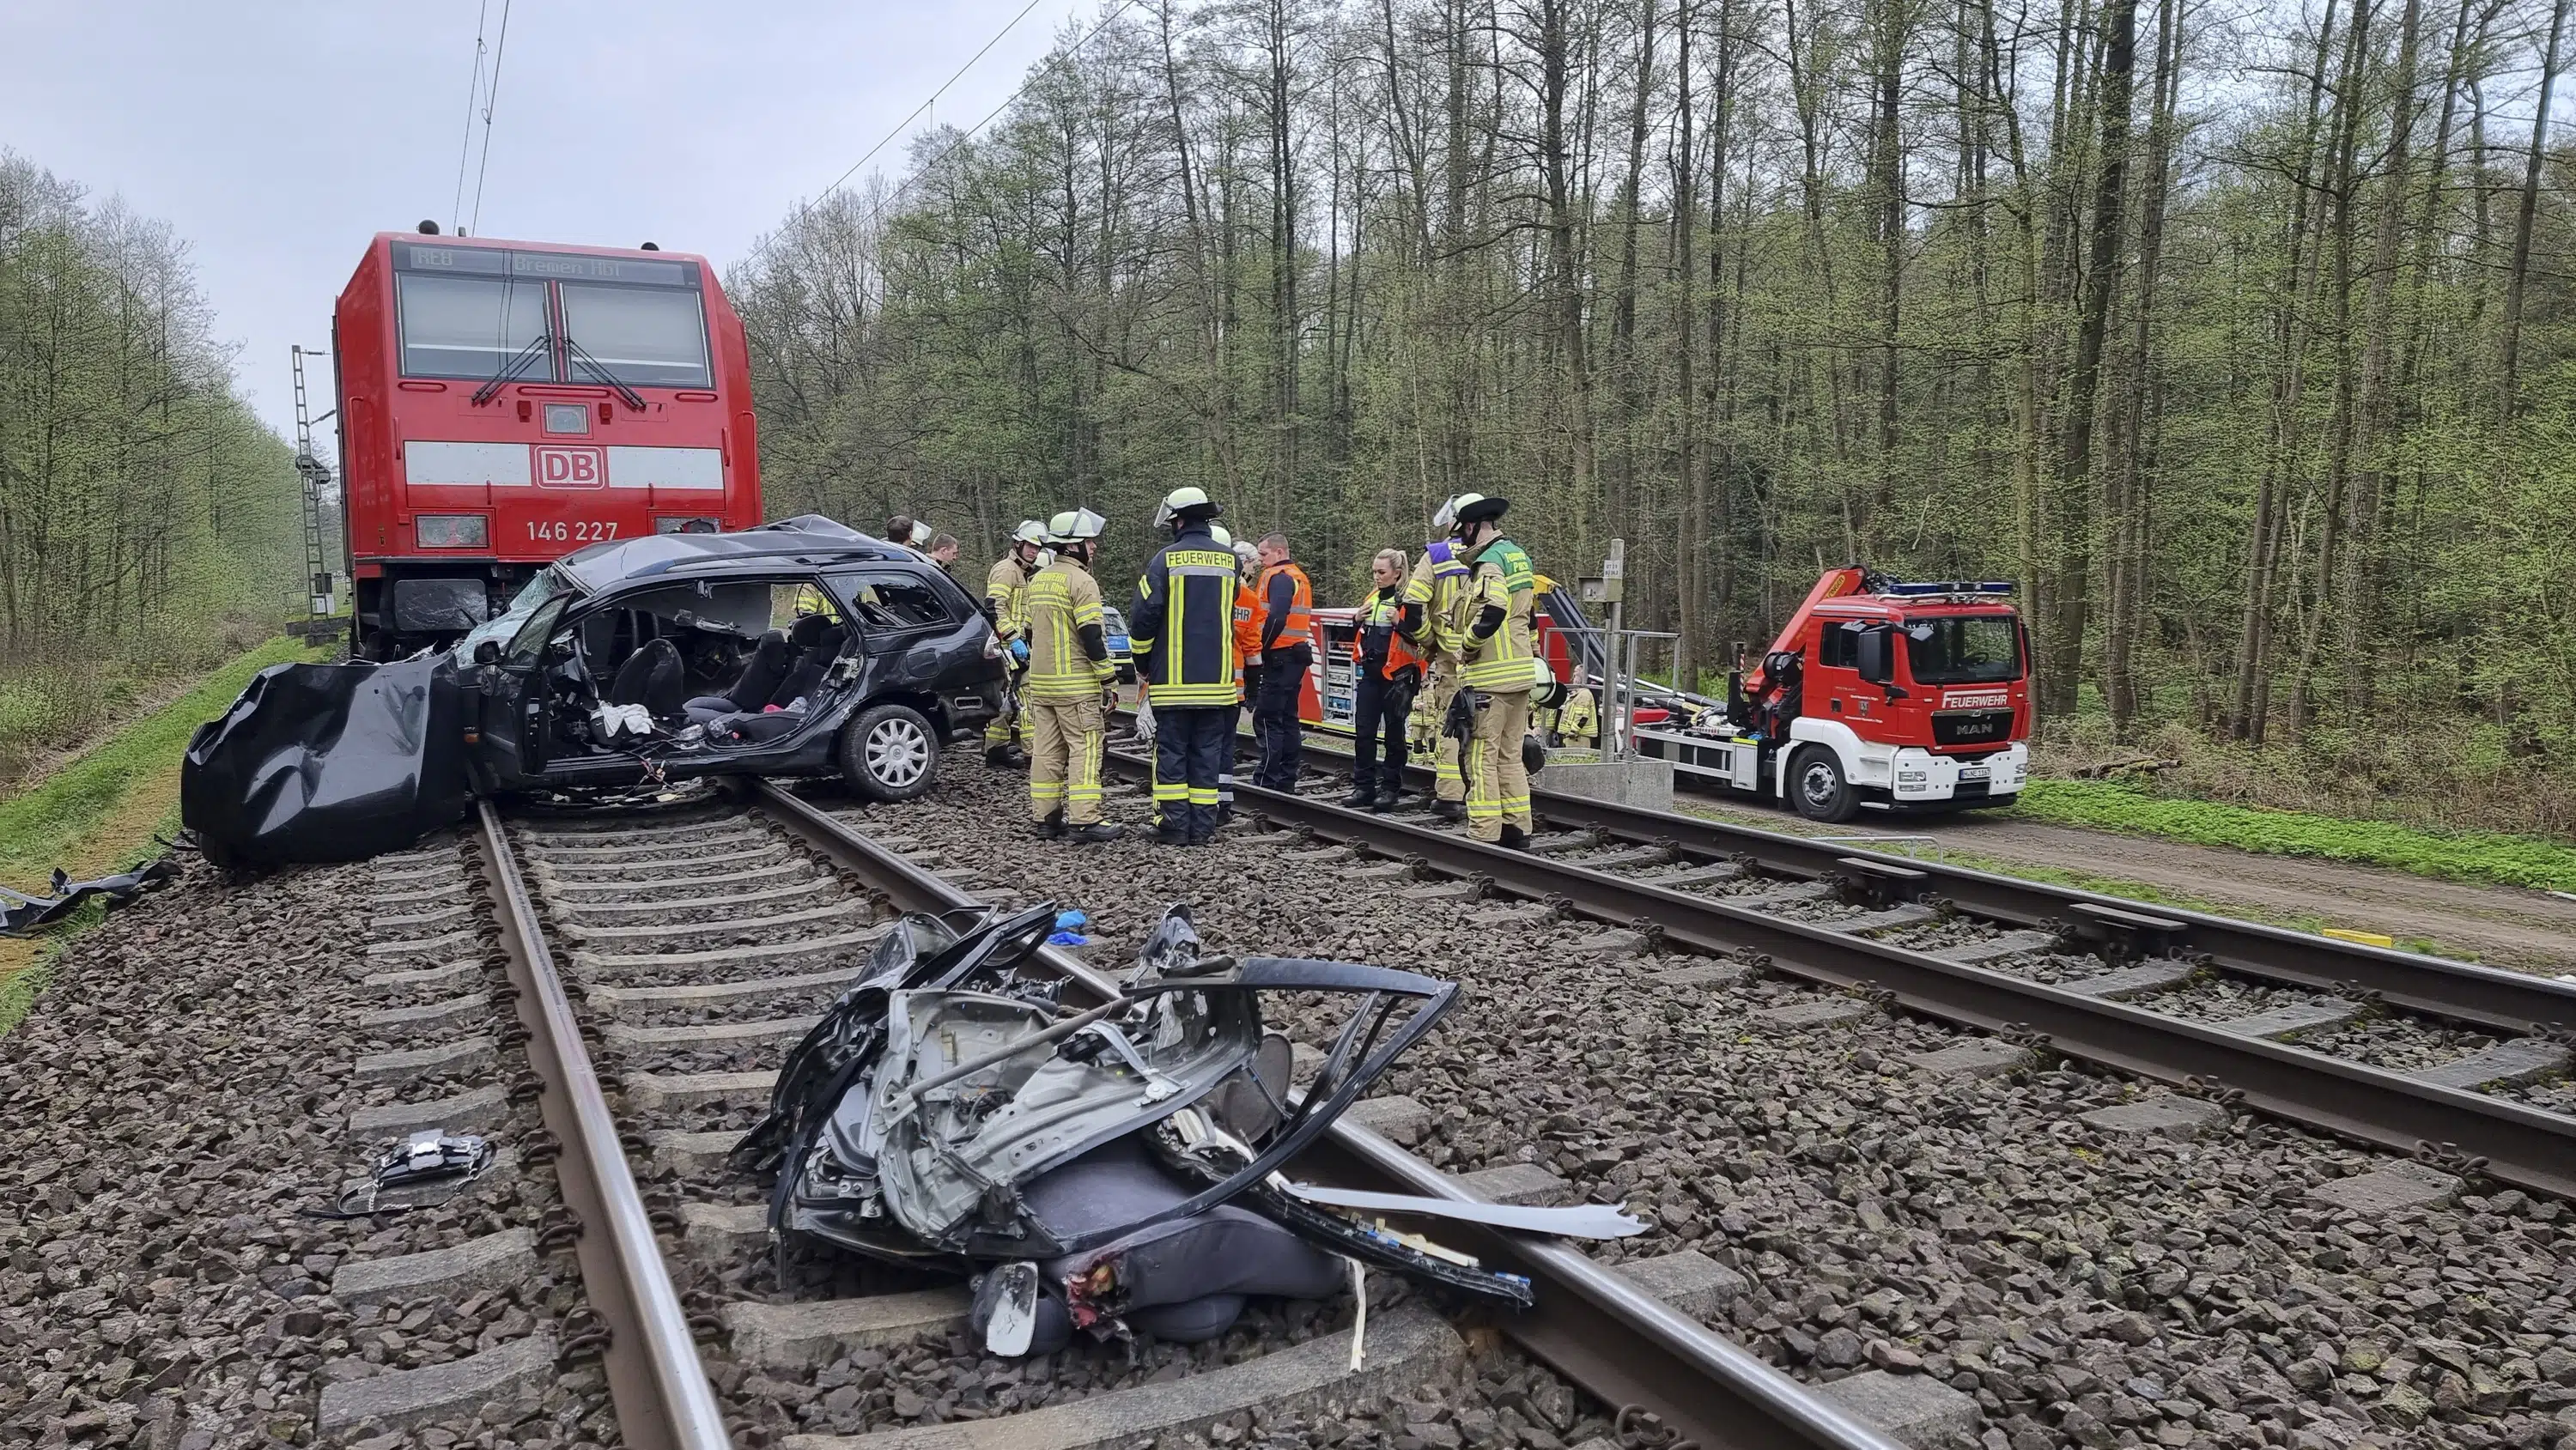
[559, 466]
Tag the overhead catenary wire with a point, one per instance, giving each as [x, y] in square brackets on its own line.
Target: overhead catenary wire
[491, 97]
[473, 100]
[888, 138]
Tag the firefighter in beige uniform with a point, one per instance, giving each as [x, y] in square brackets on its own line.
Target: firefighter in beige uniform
[1069, 673]
[1433, 599]
[1497, 663]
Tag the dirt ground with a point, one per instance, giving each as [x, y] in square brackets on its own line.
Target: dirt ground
[2500, 925]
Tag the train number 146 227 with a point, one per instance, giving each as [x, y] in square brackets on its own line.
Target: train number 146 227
[572, 533]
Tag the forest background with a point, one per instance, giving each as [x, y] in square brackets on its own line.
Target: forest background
[2236, 331]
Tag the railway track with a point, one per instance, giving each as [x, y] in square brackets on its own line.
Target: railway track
[2294, 1026]
[659, 963]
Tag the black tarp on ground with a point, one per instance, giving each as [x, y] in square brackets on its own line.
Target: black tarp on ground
[328, 763]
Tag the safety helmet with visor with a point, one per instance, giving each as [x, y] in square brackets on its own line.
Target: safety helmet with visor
[1186, 502]
[1030, 531]
[1075, 526]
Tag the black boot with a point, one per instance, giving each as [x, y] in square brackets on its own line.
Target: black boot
[1096, 832]
[1005, 757]
[1387, 800]
[1514, 838]
[1050, 829]
[1361, 797]
[1172, 833]
[1449, 810]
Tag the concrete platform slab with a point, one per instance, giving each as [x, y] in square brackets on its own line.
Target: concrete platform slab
[618, 1001]
[1915, 1409]
[1523, 1185]
[481, 1108]
[428, 1016]
[462, 1055]
[493, 1261]
[1408, 1347]
[647, 1090]
[445, 977]
[709, 1034]
[2388, 1190]
[2170, 1117]
[1816, 1012]
[1645, 784]
[2010, 944]
[2153, 976]
[725, 1230]
[1690, 1281]
[2290, 1021]
[812, 1334]
[399, 1399]
[1402, 1119]
[1976, 1057]
[2510, 1061]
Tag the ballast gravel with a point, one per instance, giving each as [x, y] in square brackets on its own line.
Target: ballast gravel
[2084, 1287]
[170, 1111]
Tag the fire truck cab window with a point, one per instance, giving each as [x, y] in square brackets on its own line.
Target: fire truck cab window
[469, 327]
[643, 338]
[1840, 649]
[1963, 650]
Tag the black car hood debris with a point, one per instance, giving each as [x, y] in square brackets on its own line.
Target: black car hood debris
[1113, 1170]
[24, 915]
[328, 763]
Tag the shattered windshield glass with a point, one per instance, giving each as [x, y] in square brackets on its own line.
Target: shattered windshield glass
[501, 628]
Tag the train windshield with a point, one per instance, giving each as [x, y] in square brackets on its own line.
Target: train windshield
[1963, 650]
[550, 584]
[638, 336]
[466, 312]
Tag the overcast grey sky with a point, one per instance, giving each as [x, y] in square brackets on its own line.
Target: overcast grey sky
[277, 137]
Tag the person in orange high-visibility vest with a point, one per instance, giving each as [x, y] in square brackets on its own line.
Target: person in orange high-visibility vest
[1385, 674]
[1286, 604]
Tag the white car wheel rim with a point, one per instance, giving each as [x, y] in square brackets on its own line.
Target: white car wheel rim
[898, 752]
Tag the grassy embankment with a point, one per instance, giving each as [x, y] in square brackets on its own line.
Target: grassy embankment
[2481, 856]
[99, 812]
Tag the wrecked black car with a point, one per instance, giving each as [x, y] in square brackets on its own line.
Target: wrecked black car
[796, 648]
[1110, 1171]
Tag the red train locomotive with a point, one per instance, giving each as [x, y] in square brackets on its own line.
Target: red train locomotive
[504, 403]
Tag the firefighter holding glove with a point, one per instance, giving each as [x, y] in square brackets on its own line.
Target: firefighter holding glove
[1006, 605]
[1500, 665]
[1182, 633]
[1069, 670]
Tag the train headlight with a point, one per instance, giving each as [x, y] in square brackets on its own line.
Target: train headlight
[686, 525]
[453, 531]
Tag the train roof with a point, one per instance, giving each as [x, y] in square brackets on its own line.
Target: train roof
[578, 249]
[806, 539]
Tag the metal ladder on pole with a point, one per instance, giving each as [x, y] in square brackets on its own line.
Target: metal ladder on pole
[317, 481]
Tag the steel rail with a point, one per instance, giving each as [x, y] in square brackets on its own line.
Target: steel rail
[1620, 1344]
[2520, 1145]
[655, 1382]
[2491, 997]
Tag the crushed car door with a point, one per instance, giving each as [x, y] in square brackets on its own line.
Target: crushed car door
[511, 744]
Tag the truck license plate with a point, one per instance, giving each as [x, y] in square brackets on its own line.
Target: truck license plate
[1975, 772]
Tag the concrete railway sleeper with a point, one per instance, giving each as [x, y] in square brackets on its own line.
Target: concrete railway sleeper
[2404, 1054]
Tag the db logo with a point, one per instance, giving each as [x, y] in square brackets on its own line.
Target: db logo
[559, 466]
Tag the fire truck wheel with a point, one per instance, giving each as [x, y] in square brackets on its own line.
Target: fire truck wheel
[1817, 787]
[889, 753]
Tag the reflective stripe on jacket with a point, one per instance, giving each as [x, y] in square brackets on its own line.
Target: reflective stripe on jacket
[1295, 627]
[1439, 578]
[1006, 589]
[1379, 640]
[1503, 579]
[1063, 600]
[1181, 631]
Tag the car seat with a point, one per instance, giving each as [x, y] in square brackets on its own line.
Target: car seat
[651, 677]
[821, 642]
[761, 676]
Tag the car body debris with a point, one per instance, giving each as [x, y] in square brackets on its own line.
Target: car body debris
[1113, 1171]
[24, 915]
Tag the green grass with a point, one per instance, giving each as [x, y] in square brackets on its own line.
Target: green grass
[100, 812]
[43, 827]
[2481, 856]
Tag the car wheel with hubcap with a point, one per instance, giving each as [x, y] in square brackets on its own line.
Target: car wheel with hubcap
[890, 753]
[1817, 787]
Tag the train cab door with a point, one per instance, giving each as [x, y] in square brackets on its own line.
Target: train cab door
[510, 744]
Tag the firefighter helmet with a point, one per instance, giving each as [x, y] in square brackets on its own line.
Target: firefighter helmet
[1075, 526]
[1030, 531]
[1186, 502]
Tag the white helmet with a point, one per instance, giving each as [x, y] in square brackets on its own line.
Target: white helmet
[1075, 526]
[1218, 533]
[1189, 499]
[1030, 531]
[1445, 517]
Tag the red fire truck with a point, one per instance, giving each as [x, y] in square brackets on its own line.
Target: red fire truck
[504, 403]
[1877, 695]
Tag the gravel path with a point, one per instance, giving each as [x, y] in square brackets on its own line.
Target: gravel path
[174, 1105]
[2086, 1287]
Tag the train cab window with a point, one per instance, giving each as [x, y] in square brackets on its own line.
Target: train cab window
[641, 337]
[468, 327]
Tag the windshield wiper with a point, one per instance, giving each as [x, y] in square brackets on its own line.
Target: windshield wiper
[537, 346]
[581, 354]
